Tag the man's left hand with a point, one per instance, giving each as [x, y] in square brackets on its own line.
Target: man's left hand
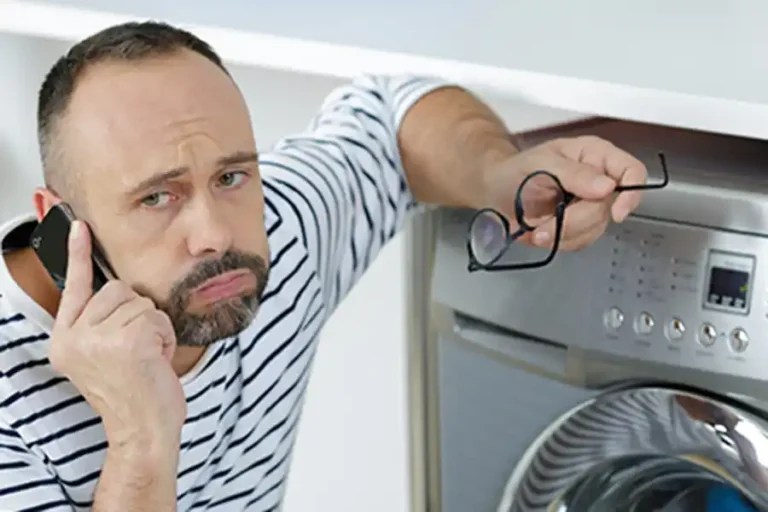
[588, 167]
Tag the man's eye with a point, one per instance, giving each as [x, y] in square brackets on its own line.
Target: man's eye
[232, 179]
[156, 200]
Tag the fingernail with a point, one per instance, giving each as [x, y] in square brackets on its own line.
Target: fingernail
[603, 182]
[621, 213]
[74, 231]
[541, 238]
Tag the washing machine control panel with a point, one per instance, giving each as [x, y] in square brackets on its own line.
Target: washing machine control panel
[680, 294]
[650, 290]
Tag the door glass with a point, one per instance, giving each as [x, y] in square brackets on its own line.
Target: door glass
[653, 483]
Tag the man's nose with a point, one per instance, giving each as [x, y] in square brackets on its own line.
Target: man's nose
[208, 232]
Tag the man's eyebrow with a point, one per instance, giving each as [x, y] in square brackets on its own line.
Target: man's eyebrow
[160, 178]
[239, 157]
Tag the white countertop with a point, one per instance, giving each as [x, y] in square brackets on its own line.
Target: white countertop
[696, 64]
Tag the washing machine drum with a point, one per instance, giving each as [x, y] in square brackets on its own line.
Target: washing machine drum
[647, 449]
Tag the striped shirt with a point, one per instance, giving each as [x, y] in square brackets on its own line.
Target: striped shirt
[334, 195]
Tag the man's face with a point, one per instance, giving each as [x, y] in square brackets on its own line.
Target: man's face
[163, 155]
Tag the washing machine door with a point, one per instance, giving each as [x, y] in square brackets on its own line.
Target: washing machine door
[647, 449]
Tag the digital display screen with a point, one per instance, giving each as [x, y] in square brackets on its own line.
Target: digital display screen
[728, 287]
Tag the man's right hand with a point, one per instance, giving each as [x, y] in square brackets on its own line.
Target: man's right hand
[115, 347]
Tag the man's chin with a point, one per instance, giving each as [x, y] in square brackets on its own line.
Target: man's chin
[216, 323]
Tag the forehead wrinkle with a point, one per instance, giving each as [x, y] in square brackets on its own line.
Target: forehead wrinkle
[192, 150]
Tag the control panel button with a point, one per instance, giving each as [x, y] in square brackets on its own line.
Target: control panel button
[614, 318]
[739, 340]
[707, 335]
[644, 323]
[675, 329]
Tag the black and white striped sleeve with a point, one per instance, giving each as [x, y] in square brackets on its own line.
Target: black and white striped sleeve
[342, 181]
[25, 482]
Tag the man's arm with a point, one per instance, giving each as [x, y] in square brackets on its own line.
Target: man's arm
[140, 476]
[447, 141]
[347, 181]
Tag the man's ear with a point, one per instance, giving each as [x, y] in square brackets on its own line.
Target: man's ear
[43, 199]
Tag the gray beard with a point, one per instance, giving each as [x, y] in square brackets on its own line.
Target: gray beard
[223, 321]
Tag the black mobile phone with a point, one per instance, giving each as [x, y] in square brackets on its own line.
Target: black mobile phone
[50, 242]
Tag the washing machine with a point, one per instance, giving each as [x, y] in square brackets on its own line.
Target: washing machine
[628, 376]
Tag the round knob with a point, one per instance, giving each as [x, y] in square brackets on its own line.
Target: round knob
[644, 323]
[739, 340]
[675, 329]
[707, 335]
[614, 318]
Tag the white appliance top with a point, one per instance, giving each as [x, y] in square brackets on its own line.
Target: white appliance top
[686, 63]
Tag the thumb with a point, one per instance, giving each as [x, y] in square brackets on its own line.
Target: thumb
[583, 180]
[79, 280]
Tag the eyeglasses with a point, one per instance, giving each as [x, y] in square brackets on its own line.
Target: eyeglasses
[489, 237]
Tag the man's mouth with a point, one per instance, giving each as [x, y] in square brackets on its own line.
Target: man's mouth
[225, 286]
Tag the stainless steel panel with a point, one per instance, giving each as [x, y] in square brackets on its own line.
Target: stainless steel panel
[645, 268]
[423, 429]
[490, 411]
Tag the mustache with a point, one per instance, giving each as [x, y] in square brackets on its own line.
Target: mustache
[231, 260]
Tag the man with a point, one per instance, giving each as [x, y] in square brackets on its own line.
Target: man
[179, 386]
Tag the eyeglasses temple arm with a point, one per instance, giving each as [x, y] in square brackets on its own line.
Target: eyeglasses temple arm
[664, 182]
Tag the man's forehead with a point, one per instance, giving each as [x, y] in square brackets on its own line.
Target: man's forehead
[146, 113]
[126, 93]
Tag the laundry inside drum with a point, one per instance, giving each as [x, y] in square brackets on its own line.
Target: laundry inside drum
[654, 483]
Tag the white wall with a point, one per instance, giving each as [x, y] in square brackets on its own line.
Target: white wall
[351, 453]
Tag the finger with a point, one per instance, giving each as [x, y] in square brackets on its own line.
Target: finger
[582, 180]
[629, 200]
[160, 321]
[586, 238]
[165, 328]
[581, 240]
[152, 330]
[130, 311]
[580, 218]
[623, 167]
[603, 154]
[625, 204]
[144, 338]
[616, 163]
[78, 283]
[107, 300]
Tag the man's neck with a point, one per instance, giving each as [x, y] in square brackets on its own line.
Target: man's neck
[30, 275]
